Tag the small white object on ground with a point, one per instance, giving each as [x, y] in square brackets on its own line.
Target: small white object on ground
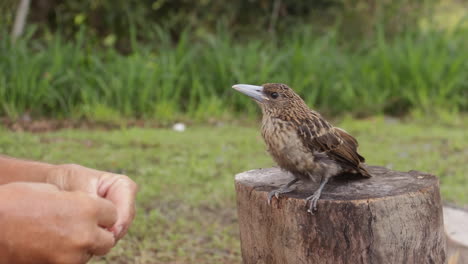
[179, 127]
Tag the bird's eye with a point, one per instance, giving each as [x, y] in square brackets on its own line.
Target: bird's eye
[274, 95]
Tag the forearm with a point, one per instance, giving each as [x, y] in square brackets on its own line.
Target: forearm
[14, 170]
[6, 193]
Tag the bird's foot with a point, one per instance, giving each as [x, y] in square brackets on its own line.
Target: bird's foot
[276, 193]
[313, 202]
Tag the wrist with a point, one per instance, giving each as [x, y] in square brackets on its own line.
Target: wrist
[73, 177]
[58, 175]
[16, 170]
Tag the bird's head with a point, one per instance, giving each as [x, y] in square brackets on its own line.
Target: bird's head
[272, 97]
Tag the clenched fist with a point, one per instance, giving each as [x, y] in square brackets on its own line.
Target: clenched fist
[117, 188]
[61, 213]
[41, 224]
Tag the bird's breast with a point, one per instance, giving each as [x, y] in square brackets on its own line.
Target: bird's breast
[286, 147]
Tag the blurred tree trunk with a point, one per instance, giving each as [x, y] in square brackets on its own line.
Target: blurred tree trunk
[20, 19]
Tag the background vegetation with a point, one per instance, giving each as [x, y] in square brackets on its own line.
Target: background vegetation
[167, 60]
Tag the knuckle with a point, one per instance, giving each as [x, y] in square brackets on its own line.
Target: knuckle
[133, 185]
[104, 250]
[84, 241]
[106, 244]
[127, 181]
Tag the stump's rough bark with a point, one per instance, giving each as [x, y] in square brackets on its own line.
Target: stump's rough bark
[393, 217]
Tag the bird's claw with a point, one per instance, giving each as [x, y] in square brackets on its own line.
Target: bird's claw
[313, 202]
[274, 193]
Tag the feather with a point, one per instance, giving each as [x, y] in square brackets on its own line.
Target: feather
[335, 142]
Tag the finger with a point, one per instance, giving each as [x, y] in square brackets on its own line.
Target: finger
[122, 194]
[126, 211]
[107, 213]
[103, 243]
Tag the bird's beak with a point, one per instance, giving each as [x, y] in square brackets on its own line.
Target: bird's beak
[256, 92]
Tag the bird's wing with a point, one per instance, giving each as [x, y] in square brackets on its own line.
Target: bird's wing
[319, 136]
[350, 140]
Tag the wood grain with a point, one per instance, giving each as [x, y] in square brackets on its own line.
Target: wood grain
[393, 217]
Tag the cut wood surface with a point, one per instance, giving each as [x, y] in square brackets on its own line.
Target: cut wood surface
[393, 217]
[456, 229]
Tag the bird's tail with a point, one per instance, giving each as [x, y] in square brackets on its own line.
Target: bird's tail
[363, 171]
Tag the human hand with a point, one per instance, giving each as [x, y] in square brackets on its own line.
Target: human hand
[41, 224]
[117, 188]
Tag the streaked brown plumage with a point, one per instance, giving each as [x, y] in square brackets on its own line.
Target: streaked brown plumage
[301, 141]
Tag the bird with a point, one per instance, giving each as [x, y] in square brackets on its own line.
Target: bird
[301, 141]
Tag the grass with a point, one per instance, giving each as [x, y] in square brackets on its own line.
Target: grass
[186, 205]
[423, 71]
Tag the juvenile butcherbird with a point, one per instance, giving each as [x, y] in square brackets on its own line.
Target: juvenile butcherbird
[301, 141]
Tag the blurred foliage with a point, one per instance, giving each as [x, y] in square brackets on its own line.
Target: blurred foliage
[180, 57]
[7, 11]
[422, 71]
[123, 22]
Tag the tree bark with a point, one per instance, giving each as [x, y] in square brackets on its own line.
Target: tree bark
[393, 217]
[20, 19]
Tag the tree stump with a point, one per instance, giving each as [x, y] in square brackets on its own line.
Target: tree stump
[393, 217]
